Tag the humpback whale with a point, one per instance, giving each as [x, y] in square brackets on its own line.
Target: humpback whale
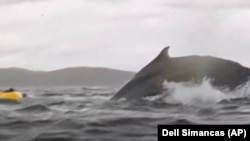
[149, 80]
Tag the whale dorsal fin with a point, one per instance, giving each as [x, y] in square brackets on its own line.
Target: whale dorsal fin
[164, 53]
[155, 63]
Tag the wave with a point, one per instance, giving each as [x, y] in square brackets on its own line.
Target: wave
[57, 136]
[34, 108]
[94, 88]
[88, 115]
[182, 122]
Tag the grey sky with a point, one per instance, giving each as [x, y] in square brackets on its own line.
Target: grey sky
[52, 34]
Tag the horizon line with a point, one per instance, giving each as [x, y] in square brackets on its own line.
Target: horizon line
[68, 67]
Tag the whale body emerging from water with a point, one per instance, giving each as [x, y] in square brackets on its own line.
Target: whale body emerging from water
[149, 80]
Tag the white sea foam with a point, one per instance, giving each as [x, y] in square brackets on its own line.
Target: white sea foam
[203, 93]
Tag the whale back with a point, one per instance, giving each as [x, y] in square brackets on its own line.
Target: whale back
[149, 80]
[156, 64]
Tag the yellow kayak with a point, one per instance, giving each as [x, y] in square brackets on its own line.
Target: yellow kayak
[13, 95]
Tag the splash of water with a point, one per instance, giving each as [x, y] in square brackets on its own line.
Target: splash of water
[199, 94]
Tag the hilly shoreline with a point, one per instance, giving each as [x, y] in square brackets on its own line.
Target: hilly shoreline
[73, 76]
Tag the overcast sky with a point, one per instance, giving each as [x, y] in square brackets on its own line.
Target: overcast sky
[121, 34]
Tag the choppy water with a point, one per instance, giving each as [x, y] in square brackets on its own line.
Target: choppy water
[77, 114]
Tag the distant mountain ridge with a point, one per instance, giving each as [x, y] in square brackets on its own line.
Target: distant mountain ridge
[73, 76]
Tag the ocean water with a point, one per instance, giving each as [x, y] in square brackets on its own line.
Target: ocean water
[87, 114]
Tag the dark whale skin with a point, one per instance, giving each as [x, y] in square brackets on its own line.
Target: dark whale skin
[148, 81]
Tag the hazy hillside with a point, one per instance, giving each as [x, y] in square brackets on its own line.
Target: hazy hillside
[78, 76]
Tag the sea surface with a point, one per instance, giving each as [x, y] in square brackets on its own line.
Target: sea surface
[87, 114]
